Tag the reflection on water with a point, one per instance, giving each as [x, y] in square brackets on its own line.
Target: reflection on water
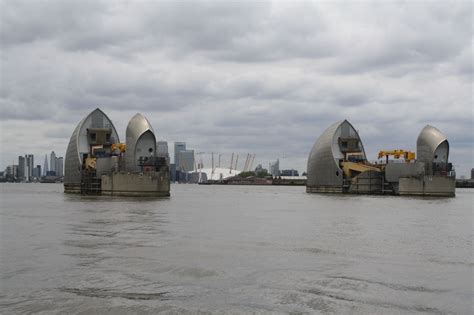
[234, 249]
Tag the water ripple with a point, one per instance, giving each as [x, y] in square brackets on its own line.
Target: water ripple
[390, 285]
[104, 293]
[377, 303]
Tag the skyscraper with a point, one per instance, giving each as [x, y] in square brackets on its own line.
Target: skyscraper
[45, 167]
[37, 171]
[162, 151]
[162, 147]
[59, 167]
[9, 172]
[275, 168]
[52, 161]
[30, 163]
[186, 160]
[21, 167]
[178, 147]
[14, 171]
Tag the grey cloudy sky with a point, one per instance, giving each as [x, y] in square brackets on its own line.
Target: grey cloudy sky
[260, 77]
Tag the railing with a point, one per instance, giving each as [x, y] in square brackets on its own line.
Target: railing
[156, 163]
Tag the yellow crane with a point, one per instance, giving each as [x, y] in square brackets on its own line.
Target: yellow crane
[407, 155]
[121, 146]
[352, 169]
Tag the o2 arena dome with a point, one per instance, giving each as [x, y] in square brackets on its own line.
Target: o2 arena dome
[338, 143]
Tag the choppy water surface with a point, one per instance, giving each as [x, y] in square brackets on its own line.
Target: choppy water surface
[234, 249]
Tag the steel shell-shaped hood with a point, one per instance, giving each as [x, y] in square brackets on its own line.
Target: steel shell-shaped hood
[430, 138]
[138, 128]
[78, 143]
[323, 168]
[429, 144]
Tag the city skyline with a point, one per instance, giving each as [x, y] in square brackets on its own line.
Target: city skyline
[25, 169]
[265, 78]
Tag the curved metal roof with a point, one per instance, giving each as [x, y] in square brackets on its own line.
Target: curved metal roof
[72, 164]
[428, 141]
[137, 126]
[323, 168]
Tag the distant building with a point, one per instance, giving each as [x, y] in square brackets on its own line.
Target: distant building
[15, 171]
[275, 168]
[45, 167]
[162, 147]
[472, 173]
[197, 177]
[37, 171]
[59, 167]
[9, 172]
[186, 161]
[181, 176]
[21, 168]
[30, 163]
[173, 172]
[52, 162]
[162, 151]
[291, 172]
[178, 147]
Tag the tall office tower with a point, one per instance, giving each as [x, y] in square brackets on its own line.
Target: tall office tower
[52, 161]
[186, 160]
[30, 162]
[162, 151]
[9, 172]
[21, 167]
[45, 167]
[173, 172]
[37, 171]
[275, 168]
[15, 171]
[162, 147]
[59, 167]
[178, 147]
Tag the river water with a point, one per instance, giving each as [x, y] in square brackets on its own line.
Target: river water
[234, 249]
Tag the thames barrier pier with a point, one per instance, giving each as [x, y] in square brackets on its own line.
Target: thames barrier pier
[338, 164]
[98, 163]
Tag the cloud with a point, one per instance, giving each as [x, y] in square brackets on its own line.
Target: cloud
[262, 77]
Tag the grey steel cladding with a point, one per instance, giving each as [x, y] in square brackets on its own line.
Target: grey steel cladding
[323, 168]
[73, 162]
[428, 141]
[136, 128]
